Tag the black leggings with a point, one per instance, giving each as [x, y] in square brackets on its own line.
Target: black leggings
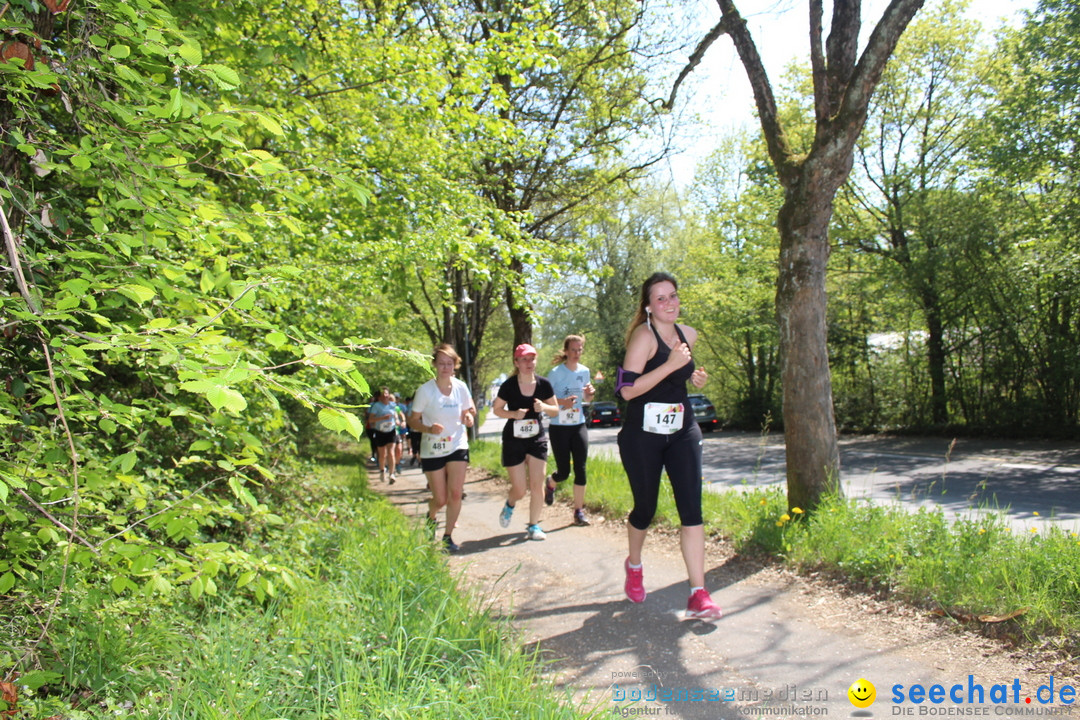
[569, 441]
[645, 455]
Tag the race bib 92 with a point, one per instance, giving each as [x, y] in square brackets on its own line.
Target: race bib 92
[570, 416]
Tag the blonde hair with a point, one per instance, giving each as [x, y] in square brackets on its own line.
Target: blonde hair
[561, 355]
[642, 315]
[448, 350]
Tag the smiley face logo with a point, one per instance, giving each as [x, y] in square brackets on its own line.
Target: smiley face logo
[862, 693]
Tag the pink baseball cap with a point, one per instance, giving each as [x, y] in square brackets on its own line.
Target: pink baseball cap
[524, 349]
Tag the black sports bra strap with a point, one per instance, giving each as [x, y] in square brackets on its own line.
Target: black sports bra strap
[656, 334]
[661, 341]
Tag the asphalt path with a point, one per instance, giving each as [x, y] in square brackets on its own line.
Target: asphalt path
[787, 645]
[1032, 484]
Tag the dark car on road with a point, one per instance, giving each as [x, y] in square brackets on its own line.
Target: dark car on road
[704, 412]
[603, 413]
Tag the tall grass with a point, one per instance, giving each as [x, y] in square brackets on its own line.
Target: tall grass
[969, 568]
[378, 627]
[380, 630]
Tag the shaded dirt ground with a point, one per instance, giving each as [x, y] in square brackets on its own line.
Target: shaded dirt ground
[787, 645]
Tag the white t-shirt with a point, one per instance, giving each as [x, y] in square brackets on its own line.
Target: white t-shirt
[434, 407]
[569, 382]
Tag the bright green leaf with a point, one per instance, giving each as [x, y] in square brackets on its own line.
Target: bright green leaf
[224, 397]
[191, 53]
[127, 461]
[269, 124]
[226, 77]
[138, 293]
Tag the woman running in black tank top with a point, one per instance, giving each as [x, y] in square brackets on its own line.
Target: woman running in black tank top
[659, 433]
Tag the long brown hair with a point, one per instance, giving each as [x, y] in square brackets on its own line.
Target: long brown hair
[561, 355]
[642, 314]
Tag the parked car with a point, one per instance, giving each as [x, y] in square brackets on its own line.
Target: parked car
[704, 412]
[603, 413]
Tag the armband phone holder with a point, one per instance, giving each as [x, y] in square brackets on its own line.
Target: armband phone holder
[624, 378]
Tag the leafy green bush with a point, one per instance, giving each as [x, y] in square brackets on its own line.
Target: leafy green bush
[376, 626]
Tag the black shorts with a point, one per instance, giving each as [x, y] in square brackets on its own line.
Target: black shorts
[514, 450]
[379, 439]
[438, 463]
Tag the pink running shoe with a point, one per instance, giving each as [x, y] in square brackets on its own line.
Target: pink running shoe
[635, 585]
[701, 605]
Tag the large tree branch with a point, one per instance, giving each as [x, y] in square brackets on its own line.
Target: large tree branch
[432, 332]
[851, 114]
[842, 49]
[818, 69]
[775, 139]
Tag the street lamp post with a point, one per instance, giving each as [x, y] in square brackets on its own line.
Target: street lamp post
[466, 301]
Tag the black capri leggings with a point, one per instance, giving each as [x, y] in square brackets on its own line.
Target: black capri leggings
[645, 455]
[569, 441]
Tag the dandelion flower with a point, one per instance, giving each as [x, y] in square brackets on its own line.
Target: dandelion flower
[1036, 512]
[797, 510]
[1034, 529]
[785, 517]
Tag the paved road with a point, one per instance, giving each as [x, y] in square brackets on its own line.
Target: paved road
[1034, 483]
[786, 645]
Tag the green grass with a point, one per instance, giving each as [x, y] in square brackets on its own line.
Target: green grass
[377, 627]
[381, 630]
[967, 568]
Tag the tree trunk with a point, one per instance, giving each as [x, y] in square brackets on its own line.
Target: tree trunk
[843, 85]
[935, 354]
[813, 456]
[515, 304]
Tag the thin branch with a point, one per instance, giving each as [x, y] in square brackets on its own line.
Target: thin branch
[165, 509]
[16, 265]
[72, 534]
[67, 435]
[350, 88]
[695, 60]
[54, 520]
[225, 309]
